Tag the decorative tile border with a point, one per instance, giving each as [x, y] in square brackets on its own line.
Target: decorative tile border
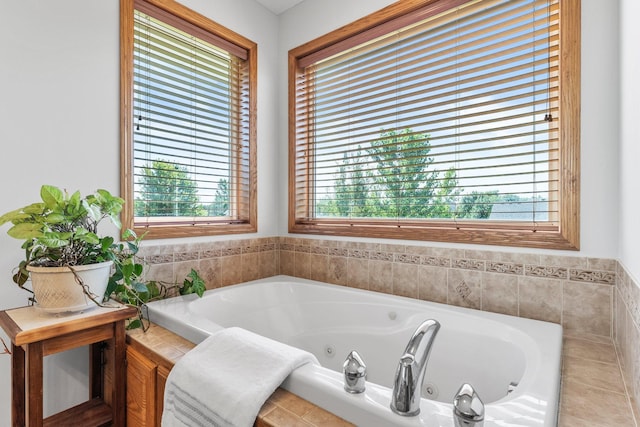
[210, 253]
[381, 256]
[407, 258]
[303, 248]
[468, 264]
[606, 277]
[545, 271]
[287, 247]
[343, 252]
[436, 261]
[185, 256]
[159, 259]
[505, 267]
[319, 250]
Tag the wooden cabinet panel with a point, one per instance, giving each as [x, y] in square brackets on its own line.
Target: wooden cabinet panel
[163, 373]
[141, 390]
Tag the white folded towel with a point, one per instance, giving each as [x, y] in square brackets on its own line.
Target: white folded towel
[225, 380]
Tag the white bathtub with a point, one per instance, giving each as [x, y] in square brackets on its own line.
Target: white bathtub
[513, 363]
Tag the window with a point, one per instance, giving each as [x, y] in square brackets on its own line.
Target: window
[188, 123]
[443, 120]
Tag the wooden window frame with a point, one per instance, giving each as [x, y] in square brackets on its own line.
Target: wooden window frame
[566, 237]
[215, 32]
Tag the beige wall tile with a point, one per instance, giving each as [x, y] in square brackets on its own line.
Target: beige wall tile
[231, 269]
[318, 267]
[159, 272]
[145, 251]
[587, 307]
[386, 247]
[337, 271]
[563, 261]
[500, 293]
[302, 265]
[436, 252]
[358, 273]
[326, 243]
[209, 270]
[432, 284]
[405, 279]
[540, 299]
[512, 257]
[606, 264]
[268, 261]
[287, 263]
[381, 276]
[250, 266]
[464, 288]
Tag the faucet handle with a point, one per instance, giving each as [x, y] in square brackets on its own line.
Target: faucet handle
[355, 373]
[468, 409]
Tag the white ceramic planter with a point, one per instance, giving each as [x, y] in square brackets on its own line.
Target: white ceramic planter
[57, 291]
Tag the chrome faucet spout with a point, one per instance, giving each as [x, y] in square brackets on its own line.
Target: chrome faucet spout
[407, 385]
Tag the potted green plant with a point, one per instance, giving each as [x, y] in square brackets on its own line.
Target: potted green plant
[68, 263]
[71, 266]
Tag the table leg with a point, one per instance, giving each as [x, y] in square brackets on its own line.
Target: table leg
[96, 386]
[18, 407]
[34, 384]
[119, 373]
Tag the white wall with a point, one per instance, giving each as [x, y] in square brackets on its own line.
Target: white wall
[600, 95]
[59, 124]
[630, 136]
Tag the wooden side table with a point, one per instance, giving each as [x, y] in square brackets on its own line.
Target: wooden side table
[35, 334]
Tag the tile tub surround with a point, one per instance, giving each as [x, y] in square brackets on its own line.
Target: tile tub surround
[220, 263]
[576, 292]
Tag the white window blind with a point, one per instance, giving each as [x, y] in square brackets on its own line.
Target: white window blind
[452, 119]
[191, 124]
